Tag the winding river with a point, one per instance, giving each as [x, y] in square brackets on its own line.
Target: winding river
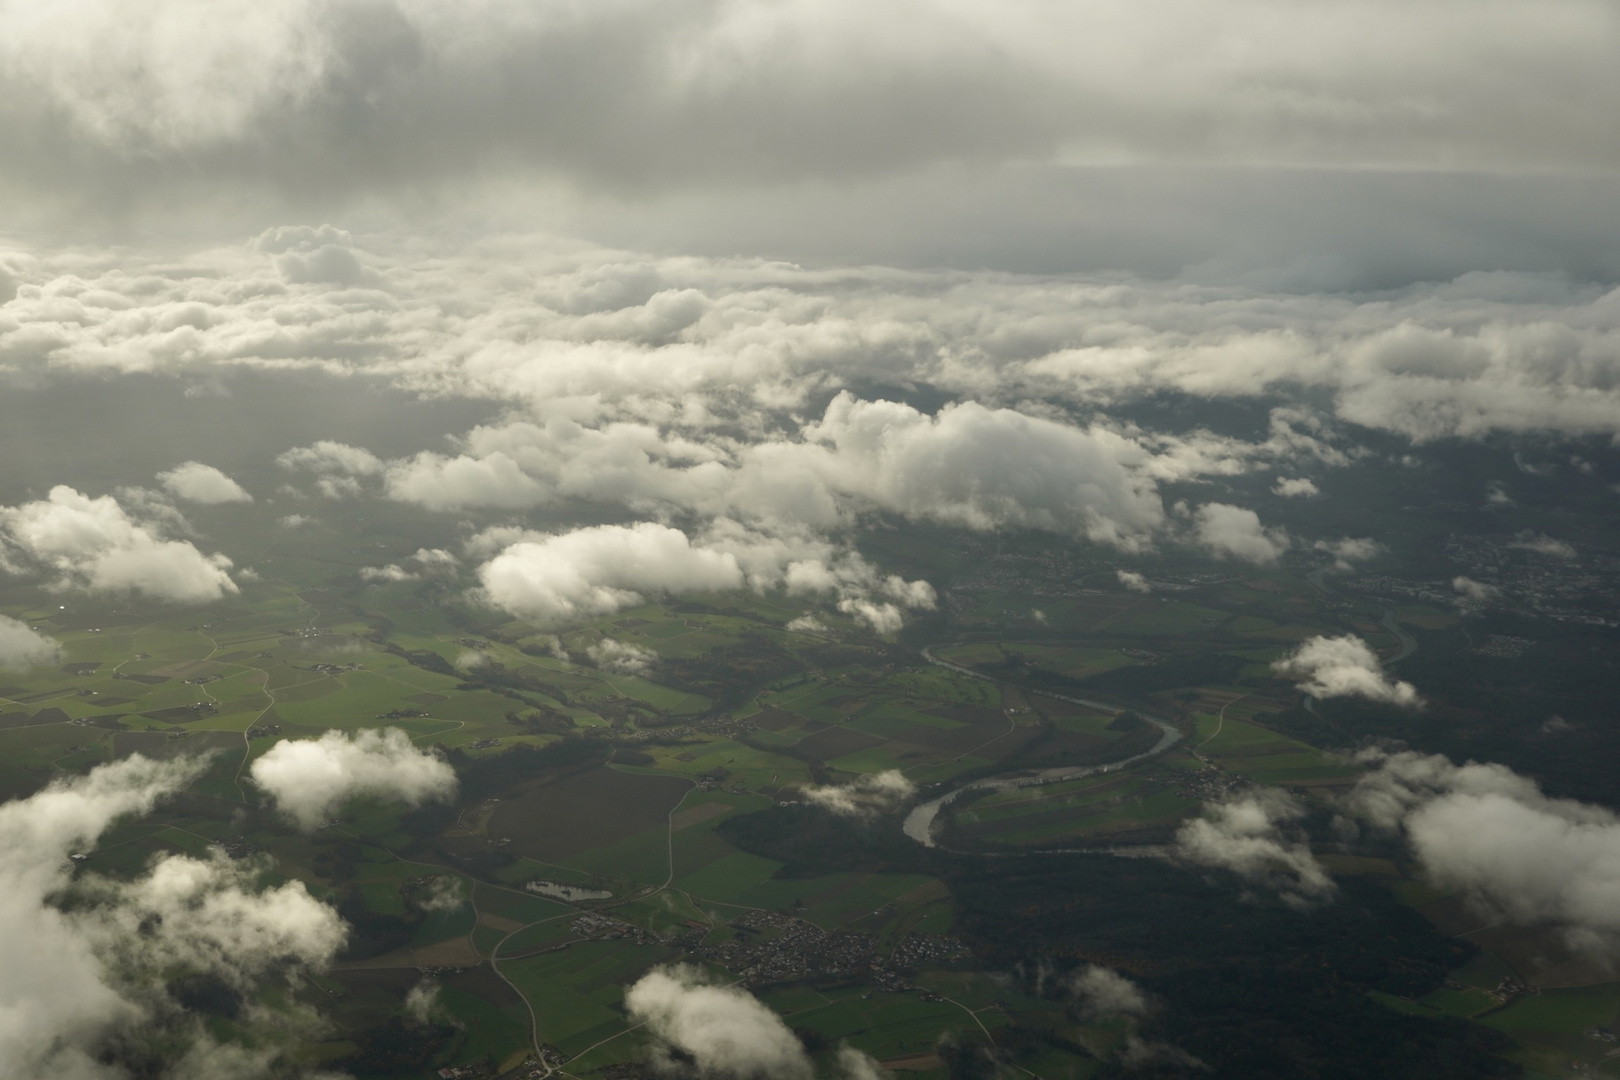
[919, 824]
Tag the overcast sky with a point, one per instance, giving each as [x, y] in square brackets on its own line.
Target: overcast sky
[1319, 144]
[769, 266]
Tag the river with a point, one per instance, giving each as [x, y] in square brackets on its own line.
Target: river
[919, 823]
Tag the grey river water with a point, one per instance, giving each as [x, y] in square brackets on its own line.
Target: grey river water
[919, 823]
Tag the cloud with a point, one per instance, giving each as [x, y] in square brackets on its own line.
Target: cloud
[23, 647]
[1473, 596]
[1295, 488]
[1141, 1053]
[626, 659]
[199, 483]
[422, 1002]
[984, 469]
[556, 579]
[966, 465]
[727, 1032]
[600, 570]
[853, 1064]
[1518, 854]
[294, 521]
[94, 545]
[436, 561]
[883, 618]
[1133, 581]
[84, 960]
[1247, 836]
[393, 572]
[1344, 666]
[1496, 495]
[1542, 544]
[441, 483]
[1350, 550]
[1105, 994]
[327, 456]
[443, 893]
[338, 467]
[304, 255]
[343, 97]
[430, 562]
[617, 392]
[1234, 532]
[310, 778]
[806, 624]
[865, 796]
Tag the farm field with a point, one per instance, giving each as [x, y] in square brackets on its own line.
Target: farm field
[626, 784]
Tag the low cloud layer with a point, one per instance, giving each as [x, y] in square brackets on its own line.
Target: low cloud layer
[581, 334]
[80, 983]
[23, 647]
[865, 796]
[309, 779]
[195, 482]
[1251, 836]
[96, 545]
[1518, 854]
[1344, 666]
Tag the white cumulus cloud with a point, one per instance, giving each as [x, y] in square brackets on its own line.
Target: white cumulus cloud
[310, 778]
[391, 573]
[865, 796]
[75, 979]
[599, 570]
[1235, 532]
[1473, 596]
[199, 483]
[1105, 994]
[1344, 666]
[726, 1031]
[611, 654]
[1517, 853]
[1133, 581]
[1350, 550]
[96, 546]
[21, 646]
[1249, 836]
[1295, 487]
